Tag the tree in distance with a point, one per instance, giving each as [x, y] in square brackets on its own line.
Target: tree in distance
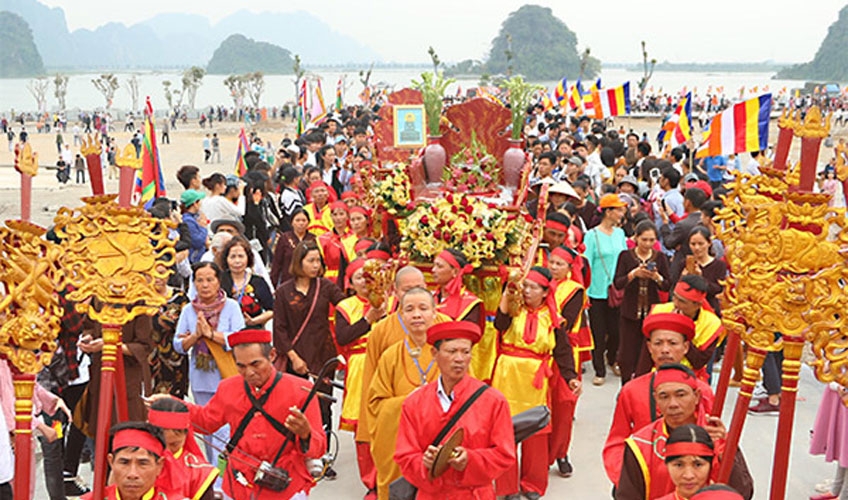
[19, 57]
[239, 54]
[831, 60]
[535, 43]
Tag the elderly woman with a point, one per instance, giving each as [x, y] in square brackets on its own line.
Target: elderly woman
[240, 283]
[202, 332]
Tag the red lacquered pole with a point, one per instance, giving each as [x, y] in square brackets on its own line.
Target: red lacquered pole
[792, 348]
[127, 178]
[121, 385]
[111, 339]
[753, 363]
[24, 387]
[26, 197]
[730, 351]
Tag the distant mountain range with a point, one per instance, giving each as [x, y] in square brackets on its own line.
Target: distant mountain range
[180, 40]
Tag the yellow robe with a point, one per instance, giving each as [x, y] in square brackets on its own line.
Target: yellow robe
[384, 333]
[523, 369]
[319, 223]
[353, 309]
[395, 378]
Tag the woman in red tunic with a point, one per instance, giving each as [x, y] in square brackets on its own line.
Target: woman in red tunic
[689, 457]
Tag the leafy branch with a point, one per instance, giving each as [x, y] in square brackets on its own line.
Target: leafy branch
[520, 94]
[432, 87]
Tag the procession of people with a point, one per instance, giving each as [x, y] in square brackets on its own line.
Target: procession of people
[275, 338]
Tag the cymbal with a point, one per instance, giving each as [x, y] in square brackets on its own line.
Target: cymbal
[440, 464]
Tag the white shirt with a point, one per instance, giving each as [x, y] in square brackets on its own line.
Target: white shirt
[446, 400]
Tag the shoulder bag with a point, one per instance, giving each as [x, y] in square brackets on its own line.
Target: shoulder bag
[282, 360]
[614, 295]
[401, 489]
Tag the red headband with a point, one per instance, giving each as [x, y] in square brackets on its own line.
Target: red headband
[339, 204]
[354, 266]
[688, 292]
[717, 495]
[683, 449]
[360, 210]
[137, 438]
[362, 245]
[350, 194]
[563, 254]
[169, 419]
[331, 193]
[674, 375]
[539, 278]
[556, 226]
[378, 254]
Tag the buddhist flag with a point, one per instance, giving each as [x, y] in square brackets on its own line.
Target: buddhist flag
[611, 102]
[243, 147]
[339, 103]
[575, 100]
[149, 183]
[741, 128]
[678, 128]
[547, 102]
[560, 91]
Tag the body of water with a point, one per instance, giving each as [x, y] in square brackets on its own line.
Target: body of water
[279, 89]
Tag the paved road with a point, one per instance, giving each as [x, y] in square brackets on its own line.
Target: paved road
[589, 480]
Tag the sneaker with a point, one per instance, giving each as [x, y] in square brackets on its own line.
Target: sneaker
[330, 474]
[565, 467]
[599, 381]
[824, 486]
[763, 407]
[74, 486]
[532, 495]
[824, 496]
[759, 391]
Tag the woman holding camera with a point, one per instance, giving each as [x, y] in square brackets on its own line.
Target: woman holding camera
[642, 272]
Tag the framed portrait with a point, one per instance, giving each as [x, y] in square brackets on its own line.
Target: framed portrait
[410, 127]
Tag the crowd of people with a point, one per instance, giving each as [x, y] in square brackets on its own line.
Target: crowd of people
[270, 286]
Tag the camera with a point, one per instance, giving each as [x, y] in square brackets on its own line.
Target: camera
[272, 478]
[654, 173]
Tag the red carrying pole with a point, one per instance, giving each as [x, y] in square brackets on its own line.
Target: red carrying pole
[127, 179]
[121, 386]
[730, 351]
[26, 197]
[111, 341]
[754, 362]
[24, 387]
[792, 348]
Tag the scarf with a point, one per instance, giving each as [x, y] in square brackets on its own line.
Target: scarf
[451, 293]
[212, 312]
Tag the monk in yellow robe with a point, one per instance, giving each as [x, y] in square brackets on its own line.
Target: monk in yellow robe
[403, 367]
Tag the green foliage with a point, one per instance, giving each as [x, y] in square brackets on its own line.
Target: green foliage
[19, 57]
[192, 79]
[107, 84]
[520, 94]
[239, 54]
[466, 67]
[432, 87]
[831, 60]
[535, 43]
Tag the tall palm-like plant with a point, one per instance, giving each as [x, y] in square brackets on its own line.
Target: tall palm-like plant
[432, 87]
[520, 94]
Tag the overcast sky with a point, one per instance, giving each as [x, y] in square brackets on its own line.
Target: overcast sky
[715, 31]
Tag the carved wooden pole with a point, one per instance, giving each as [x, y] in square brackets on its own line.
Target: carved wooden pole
[792, 349]
[24, 388]
[108, 358]
[753, 363]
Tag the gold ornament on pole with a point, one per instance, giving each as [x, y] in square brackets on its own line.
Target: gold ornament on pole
[111, 260]
[30, 315]
[788, 253]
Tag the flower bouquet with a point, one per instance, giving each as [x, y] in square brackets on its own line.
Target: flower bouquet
[484, 233]
[472, 170]
[393, 191]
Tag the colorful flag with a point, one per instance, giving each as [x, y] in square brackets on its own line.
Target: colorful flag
[611, 102]
[678, 128]
[575, 99]
[317, 112]
[243, 147]
[546, 101]
[339, 103]
[561, 91]
[149, 183]
[741, 128]
[301, 107]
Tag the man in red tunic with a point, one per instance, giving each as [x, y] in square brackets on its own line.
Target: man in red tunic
[136, 461]
[644, 475]
[669, 337]
[488, 446]
[186, 470]
[279, 396]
